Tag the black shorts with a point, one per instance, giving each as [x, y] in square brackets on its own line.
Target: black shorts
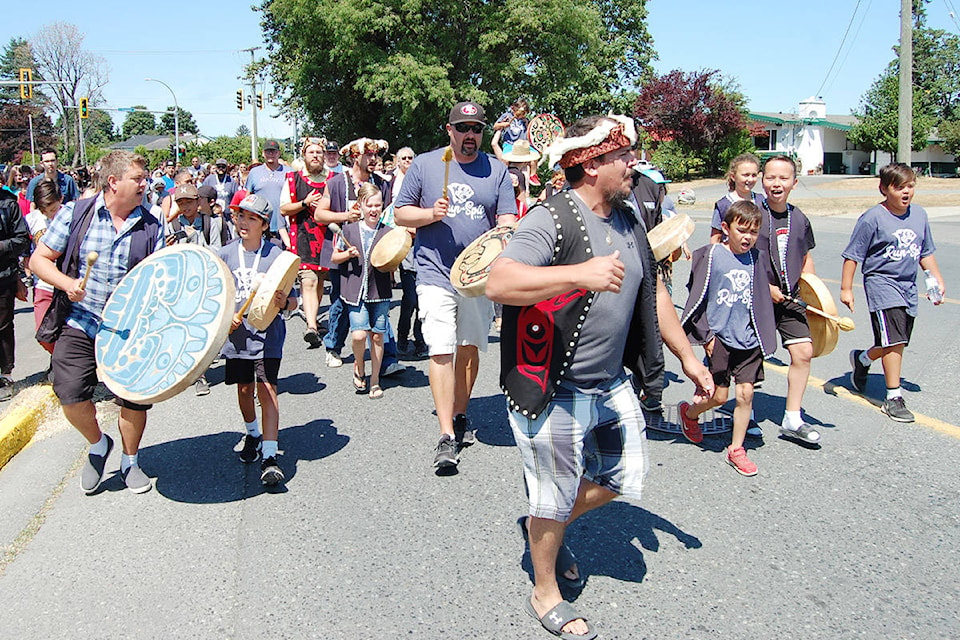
[891, 327]
[791, 322]
[240, 371]
[75, 370]
[745, 365]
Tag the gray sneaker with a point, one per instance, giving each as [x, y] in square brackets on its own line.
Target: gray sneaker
[858, 372]
[462, 433]
[896, 408]
[6, 389]
[202, 387]
[92, 474]
[270, 473]
[446, 453]
[805, 434]
[136, 480]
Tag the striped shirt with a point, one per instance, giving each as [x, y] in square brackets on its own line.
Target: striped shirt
[114, 249]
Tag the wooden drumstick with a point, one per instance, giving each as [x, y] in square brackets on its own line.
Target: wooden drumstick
[447, 157]
[333, 226]
[845, 324]
[91, 260]
[257, 279]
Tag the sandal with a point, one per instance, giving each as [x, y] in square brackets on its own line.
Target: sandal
[359, 384]
[555, 619]
[376, 392]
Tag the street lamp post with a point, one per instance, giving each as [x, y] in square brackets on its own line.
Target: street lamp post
[176, 119]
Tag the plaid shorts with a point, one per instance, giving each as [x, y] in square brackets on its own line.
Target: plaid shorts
[598, 434]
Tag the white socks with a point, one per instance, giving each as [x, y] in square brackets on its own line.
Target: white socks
[100, 448]
[865, 359]
[253, 428]
[127, 461]
[894, 393]
[792, 420]
[269, 449]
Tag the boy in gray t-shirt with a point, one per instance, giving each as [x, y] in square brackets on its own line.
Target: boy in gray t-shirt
[889, 241]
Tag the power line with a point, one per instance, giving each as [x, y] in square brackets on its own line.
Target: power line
[842, 42]
[863, 18]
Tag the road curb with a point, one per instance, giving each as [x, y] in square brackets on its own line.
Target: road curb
[18, 427]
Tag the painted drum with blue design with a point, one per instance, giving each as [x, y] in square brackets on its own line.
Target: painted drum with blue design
[165, 323]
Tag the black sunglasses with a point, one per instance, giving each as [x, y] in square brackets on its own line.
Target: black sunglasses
[463, 127]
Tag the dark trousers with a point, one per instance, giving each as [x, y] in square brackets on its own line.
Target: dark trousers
[409, 309]
[8, 297]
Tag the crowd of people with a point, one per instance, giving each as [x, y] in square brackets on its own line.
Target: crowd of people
[583, 305]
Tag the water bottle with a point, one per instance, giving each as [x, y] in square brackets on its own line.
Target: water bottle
[933, 288]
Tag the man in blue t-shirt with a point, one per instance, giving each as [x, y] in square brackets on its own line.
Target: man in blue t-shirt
[479, 197]
[68, 187]
[267, 180]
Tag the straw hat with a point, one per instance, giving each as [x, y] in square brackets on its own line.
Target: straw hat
[521, 152]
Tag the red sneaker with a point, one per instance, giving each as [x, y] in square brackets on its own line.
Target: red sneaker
[689, 426]
[737, 458]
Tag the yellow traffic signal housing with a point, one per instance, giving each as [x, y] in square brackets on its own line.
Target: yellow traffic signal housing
[84, 108]
[240, 99]
[259, 100]
[26, 83]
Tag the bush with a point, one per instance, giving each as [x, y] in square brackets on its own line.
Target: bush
[675, 162]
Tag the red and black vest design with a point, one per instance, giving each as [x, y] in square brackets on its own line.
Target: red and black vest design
[306, 234]
[538, 342]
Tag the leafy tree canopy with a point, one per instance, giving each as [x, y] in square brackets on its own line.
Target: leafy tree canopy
[393, 68]
[139, 122]
[187, 124]
[878, 116]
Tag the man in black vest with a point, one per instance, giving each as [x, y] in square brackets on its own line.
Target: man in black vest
[583, 259]
[123, 232]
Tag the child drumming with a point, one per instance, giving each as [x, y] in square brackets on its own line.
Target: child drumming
[889, 241]
[784, 243]
[253, 357]
[730, 305]
[366, 291]
[742, 176]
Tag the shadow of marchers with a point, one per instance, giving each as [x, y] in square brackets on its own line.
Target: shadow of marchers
[206, 470]
[300, 384]
[488, 415]
[605, 542]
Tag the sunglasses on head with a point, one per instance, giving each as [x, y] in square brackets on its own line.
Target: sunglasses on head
[463, 127]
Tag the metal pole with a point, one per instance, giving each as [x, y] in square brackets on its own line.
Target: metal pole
[176, 119]
[83, 146]
[905, 119]
[33, 153]
[253, 104]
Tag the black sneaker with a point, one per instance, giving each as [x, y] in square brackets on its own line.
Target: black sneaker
[858, 372]
[270, 473]
[251, 448]
[896, 408]
[92, 473]
[462, 432]
[446, 453]
[312, 338]
[6, 389]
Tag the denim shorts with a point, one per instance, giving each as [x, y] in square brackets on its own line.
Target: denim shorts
[369, 316]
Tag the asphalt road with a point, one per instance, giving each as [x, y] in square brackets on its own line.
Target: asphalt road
[855, 540]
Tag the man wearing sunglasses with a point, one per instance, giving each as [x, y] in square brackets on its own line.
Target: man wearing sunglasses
[479, 195]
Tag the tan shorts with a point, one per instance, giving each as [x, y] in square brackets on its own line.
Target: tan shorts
[451, 320]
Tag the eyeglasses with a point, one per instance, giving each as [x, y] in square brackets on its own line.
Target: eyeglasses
[405, 158]
[463, 127]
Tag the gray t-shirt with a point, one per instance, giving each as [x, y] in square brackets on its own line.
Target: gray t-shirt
[246, 343]
[268, 184]
[730, 298]
[599, 354]
[889, 248]
[478, 193]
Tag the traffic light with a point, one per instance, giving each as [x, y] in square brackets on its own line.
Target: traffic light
[84, 110]
[240, 99]
[259, 100]
[26, 86]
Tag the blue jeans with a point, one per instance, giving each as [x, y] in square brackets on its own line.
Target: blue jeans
[338, 322]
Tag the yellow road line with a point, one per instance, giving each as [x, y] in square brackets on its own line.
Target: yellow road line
[857, 284]
[842, 392]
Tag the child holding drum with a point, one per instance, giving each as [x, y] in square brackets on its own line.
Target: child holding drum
[252, 356]
[365, 290]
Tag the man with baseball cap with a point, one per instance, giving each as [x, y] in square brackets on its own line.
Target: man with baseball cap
[331, 158]
[267, 180]
[169, 171]
[222, 182]
[455, 328]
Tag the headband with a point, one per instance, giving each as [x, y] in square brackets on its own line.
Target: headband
[358, 146]
[613, 132]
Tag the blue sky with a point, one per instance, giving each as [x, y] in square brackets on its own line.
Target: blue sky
[778, 54]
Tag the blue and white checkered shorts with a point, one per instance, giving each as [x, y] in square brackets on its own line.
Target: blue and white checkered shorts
[598, 434]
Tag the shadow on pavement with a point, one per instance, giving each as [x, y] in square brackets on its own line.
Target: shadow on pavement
[606, 542]
[205, 469]
[488, 415]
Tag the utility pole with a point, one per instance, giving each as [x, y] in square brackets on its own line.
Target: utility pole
[252, 76]
[905, 119]
[83, 144]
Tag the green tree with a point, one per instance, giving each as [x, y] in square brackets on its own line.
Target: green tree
[139, 122]
[242, 130]
[234, 149]
[18, 54]
[878, 124]
[393, 68]
[950, 132]
[99, 129]
[187, 123]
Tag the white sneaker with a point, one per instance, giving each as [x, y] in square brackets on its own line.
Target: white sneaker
[333, 360]
[393, 369]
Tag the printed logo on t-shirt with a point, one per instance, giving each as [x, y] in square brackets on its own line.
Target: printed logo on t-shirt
[739, 293]
[461, 204]
[906, 246]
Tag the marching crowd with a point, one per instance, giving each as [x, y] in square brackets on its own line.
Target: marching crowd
[582, 305]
